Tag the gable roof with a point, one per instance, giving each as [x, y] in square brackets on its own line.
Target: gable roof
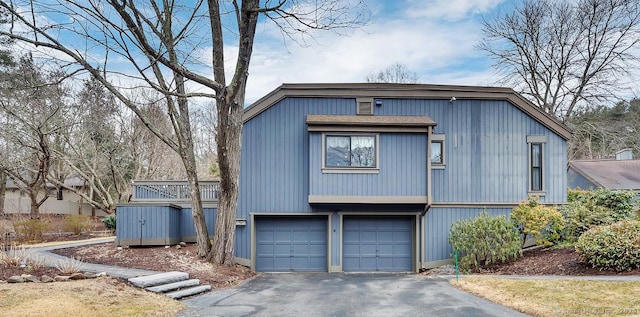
[406, 91]
[611, 174]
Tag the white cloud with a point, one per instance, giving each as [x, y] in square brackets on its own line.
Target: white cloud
[436, 51]
[450, 10]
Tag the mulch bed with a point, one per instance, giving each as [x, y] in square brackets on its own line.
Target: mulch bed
[162, 259]
[545, 261]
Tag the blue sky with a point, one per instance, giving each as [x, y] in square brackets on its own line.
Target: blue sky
[433, 38]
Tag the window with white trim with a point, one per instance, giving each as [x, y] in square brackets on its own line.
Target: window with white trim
[350, 151]
[536, 162]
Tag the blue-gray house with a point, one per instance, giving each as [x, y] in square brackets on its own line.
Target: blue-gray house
[370, 177]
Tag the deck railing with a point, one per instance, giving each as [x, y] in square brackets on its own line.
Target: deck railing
[172, 191]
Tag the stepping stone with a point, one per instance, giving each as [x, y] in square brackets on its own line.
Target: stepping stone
[158, 279]
[173, 286]
[189, 291]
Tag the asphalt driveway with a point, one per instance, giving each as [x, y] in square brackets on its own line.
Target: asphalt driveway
[323, 294]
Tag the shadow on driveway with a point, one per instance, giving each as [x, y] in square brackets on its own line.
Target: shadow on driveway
[335, 294]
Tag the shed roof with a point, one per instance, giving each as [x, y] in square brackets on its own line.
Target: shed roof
[406, 91]
[611, 174]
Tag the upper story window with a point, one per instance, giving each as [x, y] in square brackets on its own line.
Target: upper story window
[536, 163]
[536, 166]
[350, 151]
[437, 151]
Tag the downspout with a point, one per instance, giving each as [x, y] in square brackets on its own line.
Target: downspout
[429, 199]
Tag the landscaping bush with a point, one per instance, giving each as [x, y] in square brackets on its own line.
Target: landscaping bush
[110, 222]
[622, 203]
[484, 240]
[579, 217]
[76, 224]
[545, 224]
[612, 247]
[587, 209]
[30, 230]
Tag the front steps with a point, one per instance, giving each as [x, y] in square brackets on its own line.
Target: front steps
[175, 285]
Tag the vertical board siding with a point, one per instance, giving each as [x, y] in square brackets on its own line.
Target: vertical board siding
[486, 152]
[577, 181]
[486, 157]
[402, 169]
[275, 160]
[438, 223]
[187, 228]
[161, 224]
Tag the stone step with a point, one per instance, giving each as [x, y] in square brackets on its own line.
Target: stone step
[173, 286]
[189, 291]
[158, 279]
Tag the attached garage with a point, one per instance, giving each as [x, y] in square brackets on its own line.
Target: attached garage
[375, 243]
[291, 243]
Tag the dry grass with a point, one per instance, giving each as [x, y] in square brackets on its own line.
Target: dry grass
[99, 297]
[563, 297]
[70, 265]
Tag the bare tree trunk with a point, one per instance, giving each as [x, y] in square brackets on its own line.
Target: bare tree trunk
[3, 190]
[34, 211]
[229, 150]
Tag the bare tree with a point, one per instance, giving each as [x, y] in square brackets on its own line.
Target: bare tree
[599, 132]
[32, 103]
[93, 150]
[396, 73]
[158, 39]
[562, 54]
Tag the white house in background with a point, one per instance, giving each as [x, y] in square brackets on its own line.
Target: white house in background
[61, 201]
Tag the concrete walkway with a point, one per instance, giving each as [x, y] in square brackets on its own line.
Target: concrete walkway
[42, 251]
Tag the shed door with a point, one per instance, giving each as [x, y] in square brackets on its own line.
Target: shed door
[285, 244]
[373, 244]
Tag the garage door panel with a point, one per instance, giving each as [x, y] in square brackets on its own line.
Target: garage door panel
[377, 243]
[368, 236]
[291, 244]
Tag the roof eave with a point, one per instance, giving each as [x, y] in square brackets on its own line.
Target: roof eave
[408, 91]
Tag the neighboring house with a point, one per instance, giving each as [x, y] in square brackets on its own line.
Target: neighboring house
[370, 177]
[367, 177]
[623, 173]
[61, 201]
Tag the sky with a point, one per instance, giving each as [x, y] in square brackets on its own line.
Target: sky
[433, 38]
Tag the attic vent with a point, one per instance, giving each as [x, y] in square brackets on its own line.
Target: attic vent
[364, 106]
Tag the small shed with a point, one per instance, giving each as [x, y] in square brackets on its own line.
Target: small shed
[160, 213]
[148, 224]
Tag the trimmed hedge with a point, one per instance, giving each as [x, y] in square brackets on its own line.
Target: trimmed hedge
[485, 240]
[613, 247]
